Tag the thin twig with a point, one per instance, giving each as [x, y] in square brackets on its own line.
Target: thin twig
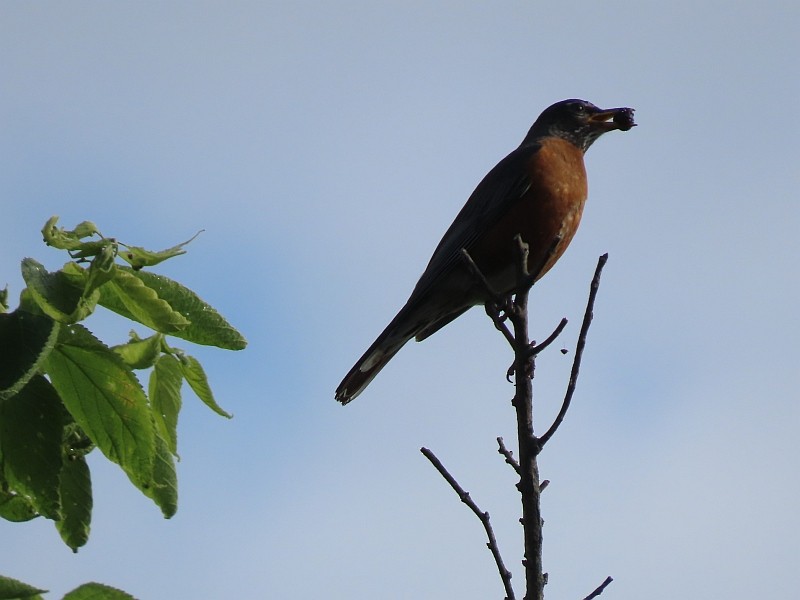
[599, 589]
[495, 301]
[478, 274]
[523, 252]
[532, 276]
[505, 574]
[508, 454]
[576, 363]
[551, 338]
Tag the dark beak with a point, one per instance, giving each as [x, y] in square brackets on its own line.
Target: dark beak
[613, 118]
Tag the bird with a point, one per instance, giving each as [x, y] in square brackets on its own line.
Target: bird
[537, 192]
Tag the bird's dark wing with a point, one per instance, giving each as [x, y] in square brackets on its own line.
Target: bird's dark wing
[506, 183]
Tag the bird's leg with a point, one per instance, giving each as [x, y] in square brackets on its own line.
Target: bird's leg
[499, 314]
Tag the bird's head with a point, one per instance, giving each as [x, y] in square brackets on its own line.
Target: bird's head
[579, 122]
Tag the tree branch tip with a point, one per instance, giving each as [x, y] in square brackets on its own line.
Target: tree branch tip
[599, 589]
[535, 350]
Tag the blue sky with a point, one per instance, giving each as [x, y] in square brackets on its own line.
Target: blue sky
[325, 148]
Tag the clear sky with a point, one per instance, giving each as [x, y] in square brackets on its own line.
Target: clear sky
[324, 148]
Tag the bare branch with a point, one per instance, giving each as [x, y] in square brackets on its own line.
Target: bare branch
[599, 589]
[551, 338]
[508, 454]
[531, 276]
[509, 314]
[478, 274]
[494, 306]
[505, 574]
[576, 363]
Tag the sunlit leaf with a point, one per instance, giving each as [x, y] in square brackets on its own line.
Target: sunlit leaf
[164, 390]
[129, 296]
[97, 591]
[139, 257]
[196, 378]
[56, 294]
[12, 589]
[102, 269]
[206, 327]
[140, 353]
[65, 239]
[106, 400]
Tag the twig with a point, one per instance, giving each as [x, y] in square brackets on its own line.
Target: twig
[576, 363]
[551, 338]
[508, 454]
[599, 589]
[494, 304]
[523, 252]
[531, 277]
[478, 274]
[505, 574]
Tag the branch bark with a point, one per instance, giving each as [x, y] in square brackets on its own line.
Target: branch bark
[576, 363]
[505, 574]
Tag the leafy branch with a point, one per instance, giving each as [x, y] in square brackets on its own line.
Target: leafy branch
[64, 393]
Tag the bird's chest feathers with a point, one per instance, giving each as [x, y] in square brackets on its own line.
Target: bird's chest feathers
[558, 187]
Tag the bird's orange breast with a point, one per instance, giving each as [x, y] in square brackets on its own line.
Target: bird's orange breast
[550, 208]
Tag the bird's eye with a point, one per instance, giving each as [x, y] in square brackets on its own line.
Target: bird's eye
[580, 107]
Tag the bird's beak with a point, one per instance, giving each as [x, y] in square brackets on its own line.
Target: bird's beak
[613, 118]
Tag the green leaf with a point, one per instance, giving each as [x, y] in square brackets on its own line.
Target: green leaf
[25, 341]
[106, 400]
[31, 429]
[196, 378]
[164, 390]
[138, 257]
[16, 508]
[97, 591]
[140, 353]
[129, 296]
[164, 490]
[207, 326]
[4, 300]
[56, 294]
[11, 589]
[102, 269]
[76, 502]
[63, 239]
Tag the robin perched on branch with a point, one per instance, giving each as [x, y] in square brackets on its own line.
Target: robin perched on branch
[537, 192]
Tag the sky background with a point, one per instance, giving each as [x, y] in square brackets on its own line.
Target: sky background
[324, 148]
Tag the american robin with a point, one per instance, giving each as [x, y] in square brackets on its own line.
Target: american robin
[538, 191]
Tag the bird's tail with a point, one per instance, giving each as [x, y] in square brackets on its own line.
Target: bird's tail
[374, 359]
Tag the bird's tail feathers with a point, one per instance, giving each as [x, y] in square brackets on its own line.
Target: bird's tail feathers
[369, 365]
